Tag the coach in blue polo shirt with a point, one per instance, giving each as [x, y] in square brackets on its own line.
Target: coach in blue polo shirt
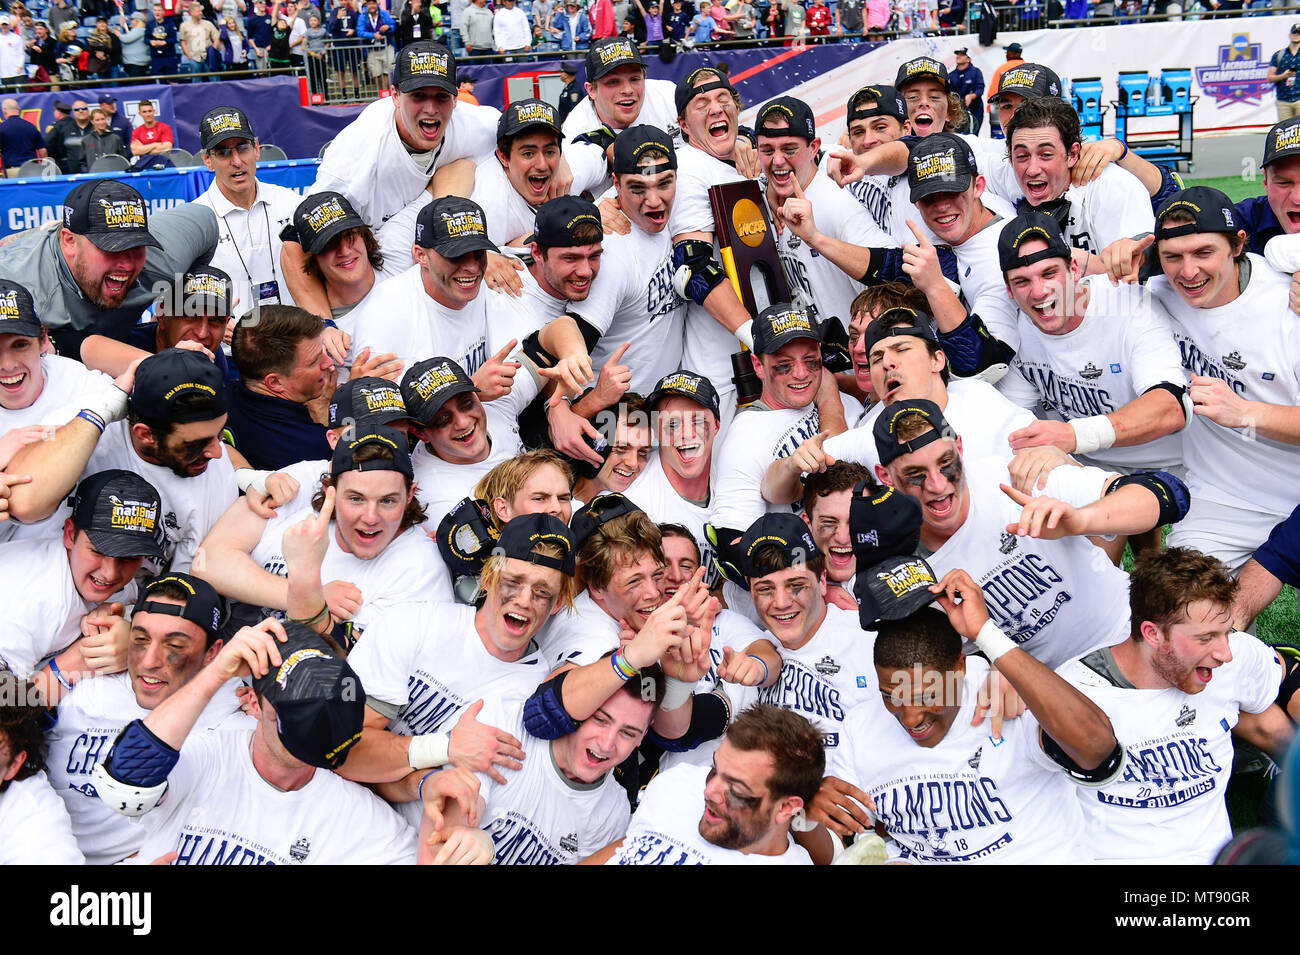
[283, 368]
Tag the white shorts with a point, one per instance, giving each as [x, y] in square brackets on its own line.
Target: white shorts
[380, 61]
[1229, 533]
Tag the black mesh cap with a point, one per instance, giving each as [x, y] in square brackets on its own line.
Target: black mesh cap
[424, 64]
[322, 216]
[889, 102]
[222, 123]
[687, 384]
[452, 227]
[895, 588]
[345, 453]
[786, 116]
[17, 311]
[207, 290]
[632, 143]
[521, 535]
[779, 324]
[525, 114]
[557, 218]
[885, 430]
[1030, 227]
[784, 531]
[110, 214]
[687, 90]
[203, 606]
[430, 384]
[1210, 209]
[921, 68]
[604, 56]
[319, 702]
[598, 512]
[120, 513]
[366, 402]
[1282, 141]
[1030, 80]
[941, 162]
[179, 386]
[882, 523]
[466, 536]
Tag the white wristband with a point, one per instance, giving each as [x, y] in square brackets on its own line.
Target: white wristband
[1092, 434]
[745, 333]
[676, 693]
[429, 750]
[992, 642]
[246, 478]
[109, 404]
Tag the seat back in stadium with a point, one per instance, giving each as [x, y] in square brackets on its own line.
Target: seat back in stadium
[272, 153]
[39, 168]
[110, 163]
[182, 157]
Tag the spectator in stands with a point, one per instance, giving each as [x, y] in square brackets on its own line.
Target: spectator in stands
[103, 51]
[40, 53]
[819, 19]
[100, 141]
[476, 28]
[951, 14]
[465, 83]
[278, 55]
[162, 44]
[417, 24]
[303, 10]
[67, 54]
[19, 139]
[653, 19]
[197, 36]
[229, 8]
[796, 18]
[234, 44]
[26, 27]
[347, 54]
[135, 47]
[64, 139]
[968, 82]
[877, 18]
[259, 30]
[13, 59]
[1282, 69]
[317, 55]
[1015, 56]
[511, 31]
[679, 18]
[542, 14]
[151, 137]
[570, 27]
[60, 13]
[704, 28]
[378, 27]
[848, 20]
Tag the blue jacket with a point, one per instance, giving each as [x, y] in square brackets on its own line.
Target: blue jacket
[568, 41]
[365, 31]
[1256, 217]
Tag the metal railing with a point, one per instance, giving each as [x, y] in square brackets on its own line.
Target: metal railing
[342, 74]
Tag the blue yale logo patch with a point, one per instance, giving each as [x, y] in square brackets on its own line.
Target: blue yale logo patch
[862, 682]
[1115, 368]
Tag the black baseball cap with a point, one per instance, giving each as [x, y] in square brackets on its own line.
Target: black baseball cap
[203, 606]
[110, 214]
[689, 385]
[1295, 28]
[107, 98]
[121, 513]
[1282, 141]
[1028, 227]
[888, 445]
[322, 216]
[922, 68]
[320, 704]
[1013, 48]
[430, 384]
[452, 227]
[919, 325]
[1030, 80]
[632, 142]
[895, 588]
[889, 102]
[466, 537]
[424, 64]
[786, 116]
[687, 90]
[525, 113]
[207, 290]
[570, 67]
[345, 452]
[557, 218]
[941, 162]
[521, 535]
[962, 50]
[779, 324]
[599, 511]
[164, 379]
[1211, 209]
[785, 531]
[365, 403]
[609, 54]
[882, 523]
[17, 311]
[222, 123]
[62, 106]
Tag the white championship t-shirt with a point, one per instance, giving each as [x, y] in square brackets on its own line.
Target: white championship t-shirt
[43, 609]
[1167, 805]
[666, 828]
[34, 825]
[758, 436]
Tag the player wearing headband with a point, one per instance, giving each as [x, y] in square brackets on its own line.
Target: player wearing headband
[176, 630]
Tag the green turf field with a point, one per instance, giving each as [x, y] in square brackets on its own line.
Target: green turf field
[1234, 187]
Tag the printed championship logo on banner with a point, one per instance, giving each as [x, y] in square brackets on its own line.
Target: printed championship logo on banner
[123, 214]
[328, 211]
[135, 516]
[941, 165]
[435, 379]
[1240, 76]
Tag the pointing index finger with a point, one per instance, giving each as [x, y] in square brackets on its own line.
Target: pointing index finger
[921, 238]
[501, 355]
